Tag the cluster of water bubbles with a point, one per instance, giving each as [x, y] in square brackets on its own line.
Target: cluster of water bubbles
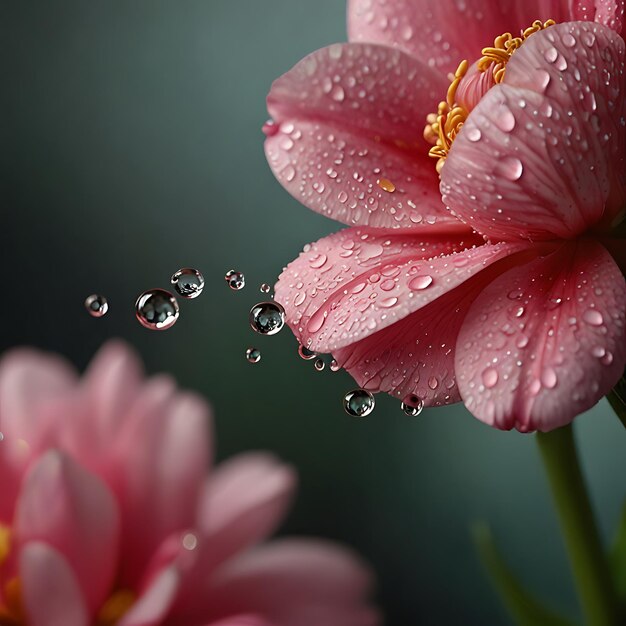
[156, 309]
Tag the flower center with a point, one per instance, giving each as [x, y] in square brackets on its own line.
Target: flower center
[442, 127]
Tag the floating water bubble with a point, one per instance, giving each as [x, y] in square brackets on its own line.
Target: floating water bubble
[305, 353]
[334, 366]
[190, 541]
[253, 355]
[267, 318]
[156, 309]
[359, 403]
[188, 282]
[265, 288]
[412, 405]
[319, 364]
[236, 280]
[96, 305]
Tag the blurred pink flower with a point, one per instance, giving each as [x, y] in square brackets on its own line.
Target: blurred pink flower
[504, 295]
[108, 515]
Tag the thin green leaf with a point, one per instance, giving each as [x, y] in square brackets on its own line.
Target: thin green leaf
[617, 400]
[618, 556]
[525, 610]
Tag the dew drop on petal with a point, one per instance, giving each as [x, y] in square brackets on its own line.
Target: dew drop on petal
[359, 403]
[474, 134]
[190, 541]
[96, 305]
[253, 355]
[412, 405]
[235, 280]
[593, 317]
[510, 168]
[188, 282]
[319, 364]
[420, 282]
[156, 309]
[548, 378]
[386, 185]
[490, 377]
[267, 318]
[305, 353]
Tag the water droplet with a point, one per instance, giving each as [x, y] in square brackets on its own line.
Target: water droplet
[319, 364]
[509, 167]
[96, 305]
[386, 185]
[265, 288]
[236, 280]
[421, 282]
[474, 134]
[267, 318]
[318, 261]
[253, 355]
[156, 309]
[188, 282]
[359, 403]
[387, 303]
[305, 353]
[190, 541]
[551, 54]
[334, 366]
[548, 378]
[490, 377]
[412, 405]
[593, 317]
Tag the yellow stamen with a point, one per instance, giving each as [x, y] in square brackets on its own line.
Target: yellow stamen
[115, 607]
[442, 127]
[12, 611]
[5, 542]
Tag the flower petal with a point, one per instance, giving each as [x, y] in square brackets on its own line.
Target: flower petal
[155, 601]
[347, 138]
[72, 510]
[29, 380]
[545, 341]
[413, 359]
[543, 166]
[242, 620]
[168, 460]
[349, 285]
[52, 596]
[442, 34]
[295, 583]
[245, 500]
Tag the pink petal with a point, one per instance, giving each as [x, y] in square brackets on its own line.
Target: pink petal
[295, 583]
[354, 283]
[545, 341]
[349, 117]
[512, 173]
[245, 500]
[241, 620]
[168, 458]
[72, 510]
[413, 359]
[52, 596]
[154, 603]
[442, 34]
[111, 382]
[607, 12]
[30, 380]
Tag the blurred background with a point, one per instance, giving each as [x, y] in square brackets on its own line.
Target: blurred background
[133, 147]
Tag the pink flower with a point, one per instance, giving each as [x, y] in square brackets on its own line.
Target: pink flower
[108, 515]
[506, 294]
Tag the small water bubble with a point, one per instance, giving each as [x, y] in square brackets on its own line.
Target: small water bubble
[420, 282]
[156, 309]
[188, 282]
[359, 403]
[190, 541]
[593, 317]
[334, 366]
[236, 280]
[474, 134]
[265, 288]
[319, 364]
[253, 355]
[490, 377]
[305, 353]
[267, 318]
[96, 305]
[412, 405]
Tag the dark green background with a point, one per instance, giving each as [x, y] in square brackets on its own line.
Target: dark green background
[133, 147]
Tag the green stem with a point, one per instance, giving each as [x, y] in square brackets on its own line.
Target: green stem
[582, 540]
